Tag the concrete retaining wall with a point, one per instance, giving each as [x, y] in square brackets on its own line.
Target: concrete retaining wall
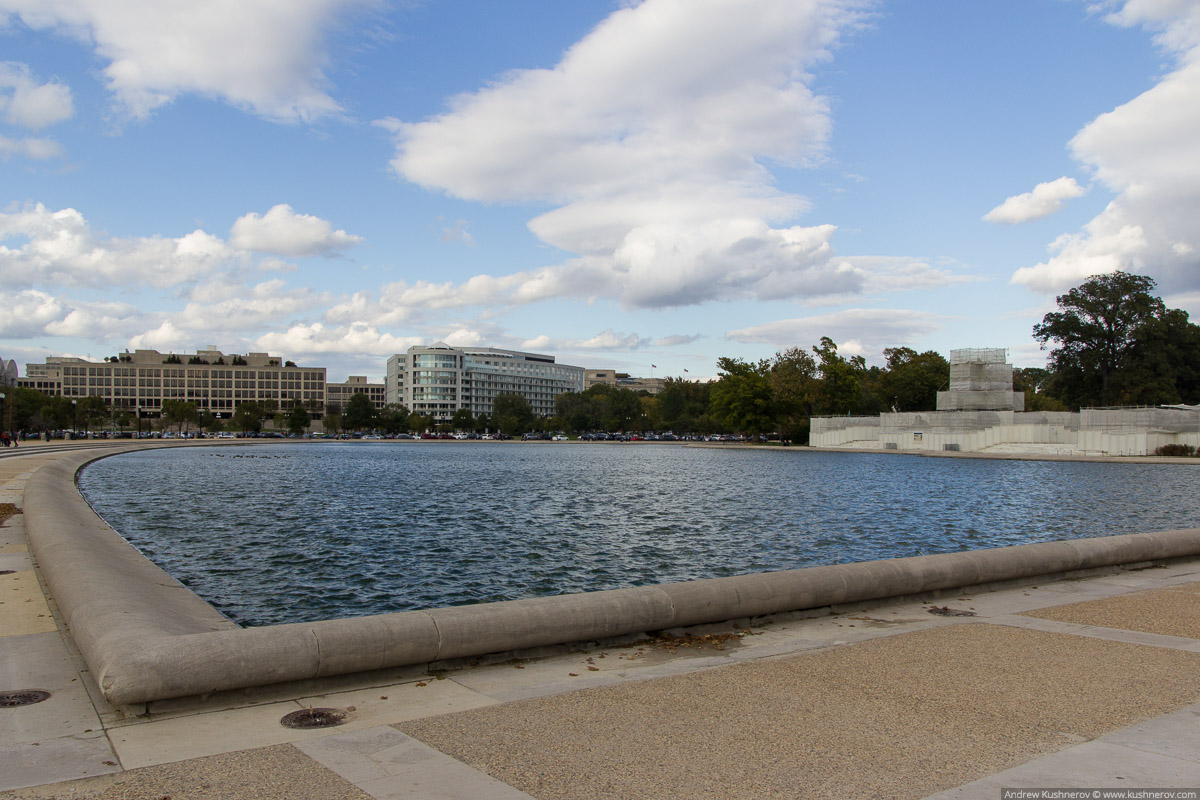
[145, 637]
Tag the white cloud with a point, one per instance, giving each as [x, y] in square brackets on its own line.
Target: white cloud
[29, 104]
[314, 340]
[283, 232]
[653, 136]
[1044, 200]
[458, 233]
[1144, 151]
[32, 313]
[857, 331]
[676, 340]
[267, 57]
[30, 147]
[610, 340]
[60, 248]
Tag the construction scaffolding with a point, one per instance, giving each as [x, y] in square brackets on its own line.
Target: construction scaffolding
[980, 380]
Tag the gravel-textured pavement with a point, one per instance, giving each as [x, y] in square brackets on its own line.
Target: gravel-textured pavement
[897, 717]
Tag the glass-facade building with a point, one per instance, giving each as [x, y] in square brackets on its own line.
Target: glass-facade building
[439, 379]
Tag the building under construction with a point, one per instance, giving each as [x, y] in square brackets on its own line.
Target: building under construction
[980, 412]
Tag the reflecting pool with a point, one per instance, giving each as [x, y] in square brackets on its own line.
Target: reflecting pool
[298, 532]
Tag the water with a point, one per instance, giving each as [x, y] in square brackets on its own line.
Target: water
[301, 532]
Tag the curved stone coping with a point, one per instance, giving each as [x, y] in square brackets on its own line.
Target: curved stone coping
[146, 637]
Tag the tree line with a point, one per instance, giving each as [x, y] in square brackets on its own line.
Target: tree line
[1111, 342]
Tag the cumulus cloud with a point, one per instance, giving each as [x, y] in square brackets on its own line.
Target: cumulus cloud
[29, 104]
[1145, 152]
[265, 57]
[31, 313]
[605, 340]
[39, 246]
[1044, 200]
[857, 331]
[653, 136]
[281, 231]
[60, 248]
[315, 339]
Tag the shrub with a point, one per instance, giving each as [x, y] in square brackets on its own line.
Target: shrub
[1175, 450]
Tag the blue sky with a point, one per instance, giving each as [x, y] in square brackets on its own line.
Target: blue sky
[619, 184]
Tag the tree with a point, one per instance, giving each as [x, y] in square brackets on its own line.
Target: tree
[463, 420]
[912, 379]
[742, 399]
[512, 413]
[1094, 332]
[393, 418]
[360, 413]
[332, 423]
[1037, 383]
[683, 406]
[839, 389]
[298, 420]
[1163, 364]
[419, 422]
[248, 417]
[92, 408]
[178, 413]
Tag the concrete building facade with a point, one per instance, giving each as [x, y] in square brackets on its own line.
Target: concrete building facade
[623, 380]
[339, 394]
[142, 380]
[439, 379]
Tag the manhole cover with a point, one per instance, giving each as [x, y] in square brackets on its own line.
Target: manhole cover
[314, 718]
[26, 697]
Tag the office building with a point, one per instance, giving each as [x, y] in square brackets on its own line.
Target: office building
[439, 379]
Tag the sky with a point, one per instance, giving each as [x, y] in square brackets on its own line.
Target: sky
[638, 186]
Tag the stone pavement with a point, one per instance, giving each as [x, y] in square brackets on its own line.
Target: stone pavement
[1080, 683]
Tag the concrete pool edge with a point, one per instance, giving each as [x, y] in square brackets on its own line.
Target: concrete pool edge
[146, 638]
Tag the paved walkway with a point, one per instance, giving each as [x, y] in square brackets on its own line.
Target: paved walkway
[1081, 683]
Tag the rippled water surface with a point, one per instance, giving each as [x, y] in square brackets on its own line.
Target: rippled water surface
[298, 532]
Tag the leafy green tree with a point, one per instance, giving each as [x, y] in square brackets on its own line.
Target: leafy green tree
[1094, 332]
[178, 413]
[683, 406]
[298, 420]
[1036, 383]
[1163, 364]
[839, 389]
[332, 423]
[463, 420]
[360, 413]
[248, 417]
[793, 379]
[912, 379]
[92, 409]
[512, 413]
[393, 418]
[420, 423]
[742, 400]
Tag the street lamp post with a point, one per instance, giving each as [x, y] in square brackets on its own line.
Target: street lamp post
[74, 419]
[2, 409]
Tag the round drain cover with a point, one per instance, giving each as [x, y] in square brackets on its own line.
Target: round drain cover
[314, 718]
[26, 697]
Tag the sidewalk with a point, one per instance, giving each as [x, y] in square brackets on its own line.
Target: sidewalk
[1081, 683]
